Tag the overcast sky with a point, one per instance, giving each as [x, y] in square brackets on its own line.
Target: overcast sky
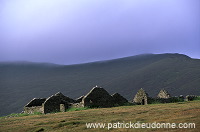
[79, 31]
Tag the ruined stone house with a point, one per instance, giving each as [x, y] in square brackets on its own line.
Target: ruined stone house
[163, 94]
[35, 105]
[55, 103]
[190, 97]
[141, 97]
[97, 97]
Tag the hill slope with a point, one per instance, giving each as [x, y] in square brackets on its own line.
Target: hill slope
[20, 82]
[75, 121]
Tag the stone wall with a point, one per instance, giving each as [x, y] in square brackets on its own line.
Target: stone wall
[98, 97]
[52, 104]
[77, 105]
[35, 105]
[78, 100]
[163, 94]
[36, 102]
[190, 97]
[141, 97]
[33, 109]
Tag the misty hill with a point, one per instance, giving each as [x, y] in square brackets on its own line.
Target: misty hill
[22, 81]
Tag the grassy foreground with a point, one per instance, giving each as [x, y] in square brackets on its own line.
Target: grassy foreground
[74, 121]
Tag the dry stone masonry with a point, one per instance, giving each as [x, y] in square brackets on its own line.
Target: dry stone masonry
[55, 103]
[35, 105]
[97, 97]
[79, 99]
[190, 97]
[141, 97]
[163, 94]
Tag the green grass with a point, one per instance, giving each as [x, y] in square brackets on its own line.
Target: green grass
[21, 114]
[77, 109]
[155, 102]
[75, 121]
[197, 98]
[17, 115]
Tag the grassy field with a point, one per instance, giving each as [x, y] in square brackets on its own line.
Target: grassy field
[75, 121]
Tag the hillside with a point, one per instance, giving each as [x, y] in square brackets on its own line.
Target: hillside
[22, 81]
[75, 121]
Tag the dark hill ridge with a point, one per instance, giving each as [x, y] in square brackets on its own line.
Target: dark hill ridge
[20, 82]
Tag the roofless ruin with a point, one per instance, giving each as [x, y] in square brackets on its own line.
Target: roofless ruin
[97, 97]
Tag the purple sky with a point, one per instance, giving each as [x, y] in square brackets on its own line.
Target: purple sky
[79, 31]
